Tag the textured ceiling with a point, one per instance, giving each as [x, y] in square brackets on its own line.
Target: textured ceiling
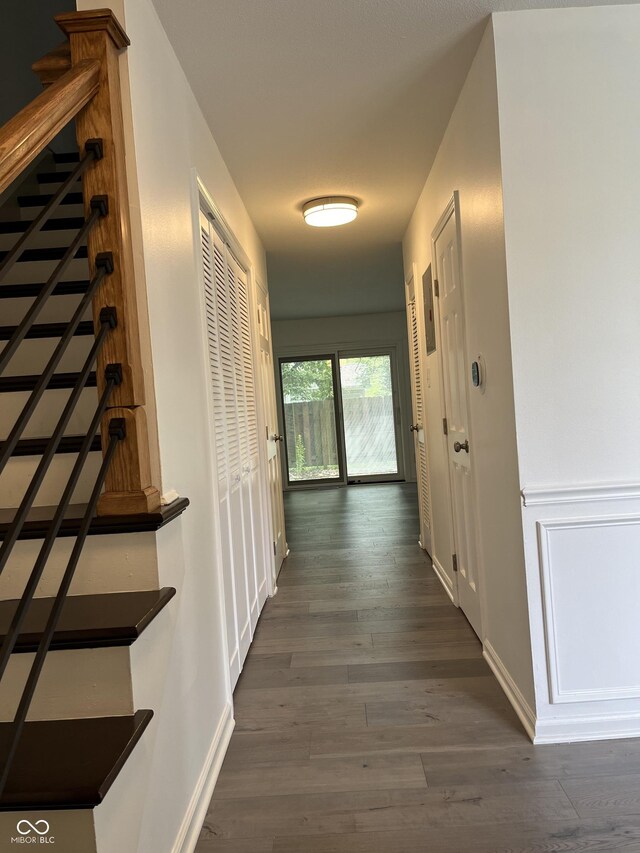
[330, 97]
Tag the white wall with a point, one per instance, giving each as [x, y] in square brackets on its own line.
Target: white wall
[187, 686]
[570, 134]
[469, 161]
[308, 336]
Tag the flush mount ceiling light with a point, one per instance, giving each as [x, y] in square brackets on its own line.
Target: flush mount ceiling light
[330, 211]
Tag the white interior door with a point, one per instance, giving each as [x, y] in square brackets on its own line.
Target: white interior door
[273, 438]
[256, 565]
[224, 427]
[243, 543]
[416, 339]
[459, 449]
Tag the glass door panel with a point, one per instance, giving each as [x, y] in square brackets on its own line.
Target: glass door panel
[368, 415]
[309, 402]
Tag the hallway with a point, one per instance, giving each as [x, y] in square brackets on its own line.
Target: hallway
[367, 719]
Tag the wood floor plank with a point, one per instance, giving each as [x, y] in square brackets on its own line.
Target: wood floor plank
[352, 773]
[605, 795]
[573, 836]
[457, 690]
[470, 649]
[434, 634]
[382, 598]
[301, 716]
[436, 710]
[313, 644]
[504, 730]
[417, 669]
[528, 762]
[498, 804]
[267, 747]
[256, 676]
[209, 843]
[275, 629]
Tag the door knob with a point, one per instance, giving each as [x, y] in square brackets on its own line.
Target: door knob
[458, 447]
[276, 437]
[414, 427]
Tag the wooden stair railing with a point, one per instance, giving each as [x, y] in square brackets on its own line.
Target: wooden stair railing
[82, 79]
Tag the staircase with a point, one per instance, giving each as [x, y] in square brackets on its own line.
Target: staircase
[78, 581]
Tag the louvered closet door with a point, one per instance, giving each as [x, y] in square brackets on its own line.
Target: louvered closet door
[224, 428]
[235, 426]
[422, 474]
[235, 409]
[243, 390]
[252, 497]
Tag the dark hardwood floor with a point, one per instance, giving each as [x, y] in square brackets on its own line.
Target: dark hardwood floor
[368, 722]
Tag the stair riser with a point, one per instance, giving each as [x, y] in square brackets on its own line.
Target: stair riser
[50, 187]
[16, 477]
[58, 309]
[119, 563]
[74, 683]
[41, 240]
[47, 412]
[39, 271]
[33, 354]
[30, 213]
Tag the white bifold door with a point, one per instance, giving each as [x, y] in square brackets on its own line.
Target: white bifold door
[416, 338]
[235, 437]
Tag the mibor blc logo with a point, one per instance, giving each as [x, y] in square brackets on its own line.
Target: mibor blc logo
[33, 833]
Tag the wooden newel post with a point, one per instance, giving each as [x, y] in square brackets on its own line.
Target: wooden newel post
[131, 485]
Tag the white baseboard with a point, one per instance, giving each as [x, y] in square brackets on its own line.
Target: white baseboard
[189, 832]
[443, 578]
[511, 689]
[573, 729]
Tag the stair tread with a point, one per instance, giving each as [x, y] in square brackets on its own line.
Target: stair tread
[40, 200]
[48, 330]
[64, 223]
[88, 621]
[68, 763]
[64, 288]
[68, 444]
[10, 384]
[38, 520]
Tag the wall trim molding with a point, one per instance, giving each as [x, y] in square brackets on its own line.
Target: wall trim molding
[535, 495]
[444, 579]
[513, 693]
[189, 831]
[599, 727]
[545, 527]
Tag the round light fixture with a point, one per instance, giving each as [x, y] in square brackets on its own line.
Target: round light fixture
[330, 211]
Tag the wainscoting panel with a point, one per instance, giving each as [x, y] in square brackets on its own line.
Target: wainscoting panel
[590, 584]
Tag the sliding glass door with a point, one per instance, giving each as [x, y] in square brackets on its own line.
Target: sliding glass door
[369, 416]
[309, 394]
[341, 418]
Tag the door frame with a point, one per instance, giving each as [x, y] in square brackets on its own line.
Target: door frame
[337, 412]
[453, 209]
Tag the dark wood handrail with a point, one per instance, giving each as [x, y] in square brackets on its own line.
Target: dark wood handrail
[24, 136]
